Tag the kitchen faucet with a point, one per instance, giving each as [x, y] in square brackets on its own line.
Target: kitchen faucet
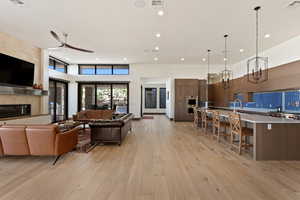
[235, 101]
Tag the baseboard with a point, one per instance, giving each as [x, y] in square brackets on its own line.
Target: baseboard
[154, 113]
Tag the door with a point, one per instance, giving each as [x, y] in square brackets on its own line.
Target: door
[104, 95]
[120, 98]
[58, 100]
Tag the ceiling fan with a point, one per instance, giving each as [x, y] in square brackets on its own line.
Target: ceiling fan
[64, 44]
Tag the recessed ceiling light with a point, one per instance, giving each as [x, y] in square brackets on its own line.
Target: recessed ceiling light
[267, 35]
[125, 59]
[203, 59]
[157, 35]
[160, 13]
[225, 59]
[157, 48]
[241, 50]
[156, 58]
[182, 59]
[67, 58]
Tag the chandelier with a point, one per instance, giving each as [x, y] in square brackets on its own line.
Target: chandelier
[226, 74]
[208, 65]
[208, 76]
[257, 67]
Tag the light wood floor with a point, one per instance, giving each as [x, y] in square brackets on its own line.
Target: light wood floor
[160, 160]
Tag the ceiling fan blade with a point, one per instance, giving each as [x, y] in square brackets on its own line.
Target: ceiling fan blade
[78, 49]
[56, 48]
[55, 36]
[53, 48]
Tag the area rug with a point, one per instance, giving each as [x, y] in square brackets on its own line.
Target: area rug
[148, 117]
[84, 141]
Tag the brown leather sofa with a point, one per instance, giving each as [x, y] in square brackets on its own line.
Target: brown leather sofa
[114, 130]
[87, 115]
[36, 140]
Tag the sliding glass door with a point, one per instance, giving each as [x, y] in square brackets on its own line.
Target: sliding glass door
[104, 96]
[120, 98]
[58, 100]
[88, 98]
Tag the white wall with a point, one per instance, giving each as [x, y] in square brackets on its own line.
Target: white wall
[284, 53]
[170, 89]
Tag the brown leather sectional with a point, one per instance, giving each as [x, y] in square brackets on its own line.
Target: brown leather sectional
[87, 115]
[36, 140]
[114, 130]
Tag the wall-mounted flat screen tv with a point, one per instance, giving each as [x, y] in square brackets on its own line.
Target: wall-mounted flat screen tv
[15, 72]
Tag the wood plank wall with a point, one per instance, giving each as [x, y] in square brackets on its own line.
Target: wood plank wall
[283, 77]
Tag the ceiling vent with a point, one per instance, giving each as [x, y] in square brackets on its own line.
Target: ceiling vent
[158, 3]
[18, 2]
[140, 3]
[294, 4]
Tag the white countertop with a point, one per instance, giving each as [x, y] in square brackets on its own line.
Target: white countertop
[255, 118]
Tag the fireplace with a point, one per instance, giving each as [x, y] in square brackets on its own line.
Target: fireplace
[15, 110]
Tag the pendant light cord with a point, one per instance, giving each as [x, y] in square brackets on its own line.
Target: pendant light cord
[225, 36]
[208, 66]
[257, 35]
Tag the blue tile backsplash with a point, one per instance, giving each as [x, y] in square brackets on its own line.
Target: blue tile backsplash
[292, 100]
[289, 101]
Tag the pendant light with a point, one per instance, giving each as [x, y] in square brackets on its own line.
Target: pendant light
[226, 74]
[208, 76]
[208, 65]
[257, 67]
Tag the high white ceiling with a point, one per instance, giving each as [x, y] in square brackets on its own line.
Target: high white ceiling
[117, 28]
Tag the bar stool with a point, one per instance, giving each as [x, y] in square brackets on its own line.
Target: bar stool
[205, 120]
[236, 129]
[196, 117]
[218, 125]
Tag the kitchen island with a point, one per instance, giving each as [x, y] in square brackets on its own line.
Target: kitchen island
[273, 138]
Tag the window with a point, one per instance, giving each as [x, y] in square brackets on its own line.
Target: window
[57, 65]
[87, 69]
[104, 96]
[162, 98]
[150, 98]
[51, 64]
[120, 70]
[104, 69]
